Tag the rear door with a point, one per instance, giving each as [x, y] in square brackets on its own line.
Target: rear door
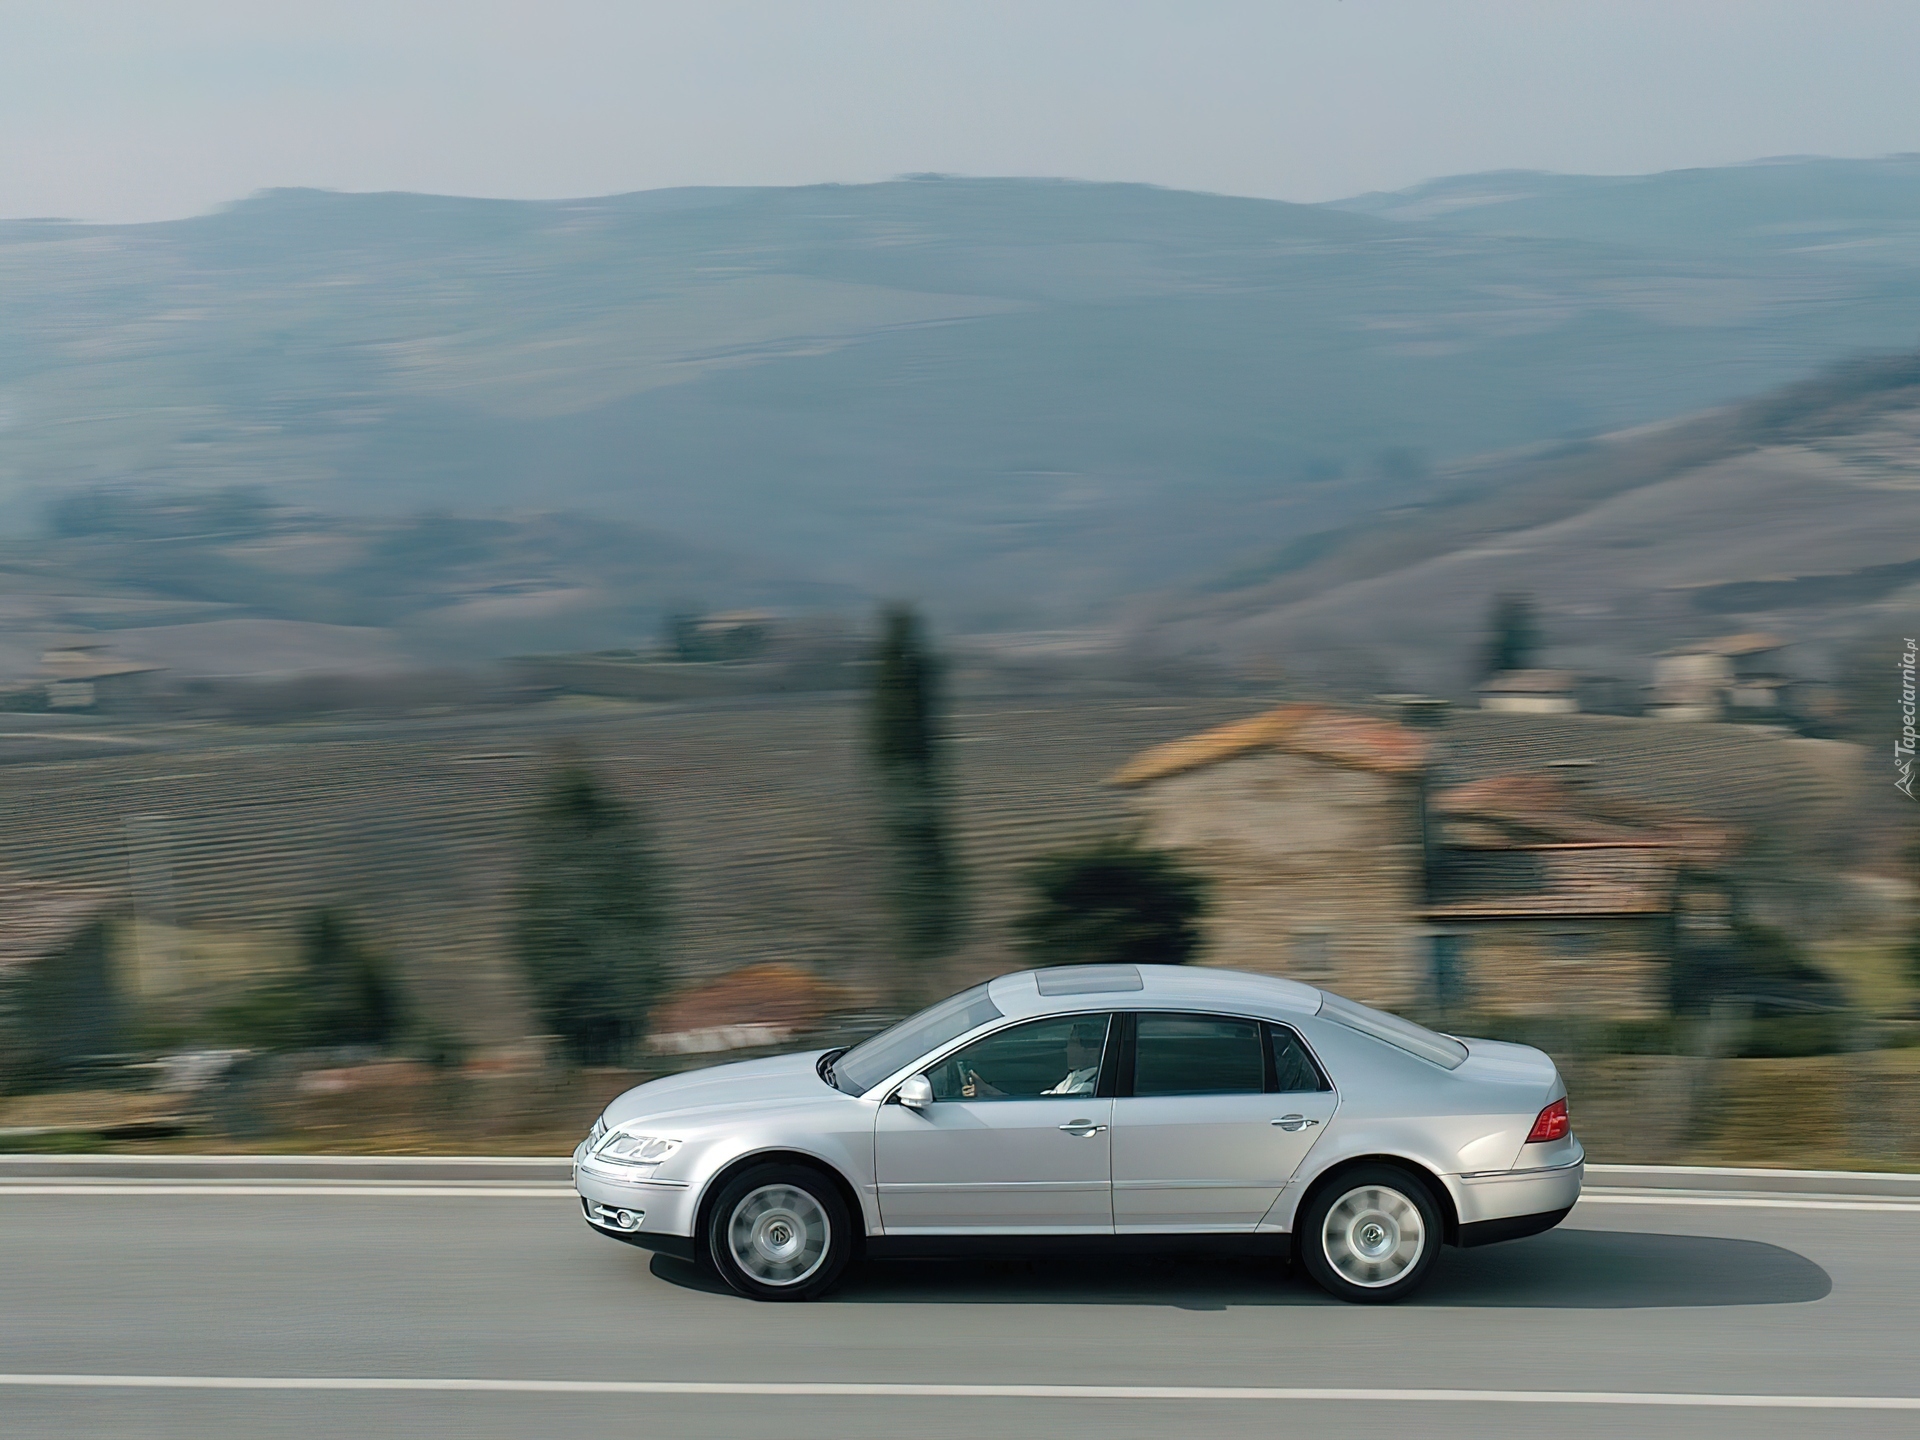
[1213, 1116]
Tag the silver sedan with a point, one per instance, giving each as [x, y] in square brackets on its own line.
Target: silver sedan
[1102, 1107]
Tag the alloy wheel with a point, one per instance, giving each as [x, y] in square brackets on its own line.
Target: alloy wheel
[779, 1234]
[1373, 1235]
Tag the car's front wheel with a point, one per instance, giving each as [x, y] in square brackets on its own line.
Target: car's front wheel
[1370, 1236]
[780, 1232]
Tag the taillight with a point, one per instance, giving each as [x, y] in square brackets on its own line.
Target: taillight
[1551, 1124]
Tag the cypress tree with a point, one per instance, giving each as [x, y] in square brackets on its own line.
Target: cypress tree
[348, 992]
[590, 930]
[906, 744]
[1513, 635]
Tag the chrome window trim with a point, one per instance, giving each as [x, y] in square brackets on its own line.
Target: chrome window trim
[1333, 1086]
[884, 1092]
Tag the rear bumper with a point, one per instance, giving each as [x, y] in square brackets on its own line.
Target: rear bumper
[1502, 1204]
[1513, 1227]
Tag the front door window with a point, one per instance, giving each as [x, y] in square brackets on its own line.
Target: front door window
[1026, 1062]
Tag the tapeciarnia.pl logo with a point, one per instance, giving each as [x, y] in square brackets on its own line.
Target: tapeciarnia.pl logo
[1903, 747]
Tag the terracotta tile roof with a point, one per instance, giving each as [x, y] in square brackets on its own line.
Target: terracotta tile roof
[1344, 737]
[1750, 642]
[1549, 881]
[1796, 795]
[96, 669]
[1542, 806]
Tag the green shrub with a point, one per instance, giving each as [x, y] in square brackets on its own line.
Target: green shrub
[1114, 901]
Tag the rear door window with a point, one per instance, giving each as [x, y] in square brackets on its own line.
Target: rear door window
[1294, 1069]
[1197, 1055]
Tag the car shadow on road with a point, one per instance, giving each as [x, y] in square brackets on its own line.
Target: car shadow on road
[1562, 1270]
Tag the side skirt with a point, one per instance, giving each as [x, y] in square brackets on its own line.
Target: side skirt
[957, 1247]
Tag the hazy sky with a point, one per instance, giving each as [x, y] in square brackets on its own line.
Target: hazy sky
[143, 110]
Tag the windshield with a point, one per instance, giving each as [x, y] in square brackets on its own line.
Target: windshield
[872, 1061]
[1402, 1034]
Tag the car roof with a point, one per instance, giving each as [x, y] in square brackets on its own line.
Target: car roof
[1150, 987]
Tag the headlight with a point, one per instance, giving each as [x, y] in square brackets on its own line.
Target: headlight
[598, 1133]
[636, 1149]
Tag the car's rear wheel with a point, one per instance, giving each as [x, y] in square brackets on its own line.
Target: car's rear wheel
[1371, 1235]
[780, 1232]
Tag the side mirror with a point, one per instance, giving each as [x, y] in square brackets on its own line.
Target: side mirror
[915, 1092]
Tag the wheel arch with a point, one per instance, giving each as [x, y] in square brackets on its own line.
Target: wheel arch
[1426, 1174]
[715, 1183]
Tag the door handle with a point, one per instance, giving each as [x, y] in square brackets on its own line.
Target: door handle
[1293, 1122]
[1082, 1128]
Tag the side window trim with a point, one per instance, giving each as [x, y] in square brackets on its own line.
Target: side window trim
[1116, 1067]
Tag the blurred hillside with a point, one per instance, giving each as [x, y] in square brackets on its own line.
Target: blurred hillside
[226, 582]
[1797, 512]
[1019, 399]
[223, 838]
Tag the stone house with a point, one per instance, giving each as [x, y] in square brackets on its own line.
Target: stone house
[1738, 675]
[78, 673]
[1457, 863]
[56, 975]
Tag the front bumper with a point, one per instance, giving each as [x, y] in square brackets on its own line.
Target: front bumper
[665, 1208]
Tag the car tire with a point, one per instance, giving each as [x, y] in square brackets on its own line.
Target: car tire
[1370, 1234]
[780, 1232]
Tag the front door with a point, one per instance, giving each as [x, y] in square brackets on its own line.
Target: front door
[1222, 1112]
[1017, 1138]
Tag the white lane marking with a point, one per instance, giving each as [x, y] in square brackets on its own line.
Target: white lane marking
[1751, 1202]
[1907, 1176]
[357, 1192]
[864, 1390]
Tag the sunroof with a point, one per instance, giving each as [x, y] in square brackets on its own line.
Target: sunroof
[1088, 979]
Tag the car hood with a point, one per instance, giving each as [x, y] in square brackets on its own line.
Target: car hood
[747, 1085]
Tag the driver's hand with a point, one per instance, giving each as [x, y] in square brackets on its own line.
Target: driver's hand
[970, 1087]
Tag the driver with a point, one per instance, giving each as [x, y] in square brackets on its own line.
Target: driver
[1084, 1043]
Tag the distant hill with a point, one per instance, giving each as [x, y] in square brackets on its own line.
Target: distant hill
[228, 582]
[1015, 398]
[1796, 512]
[1848, 212]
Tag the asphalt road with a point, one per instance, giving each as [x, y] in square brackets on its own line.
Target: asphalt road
[224, 1284]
